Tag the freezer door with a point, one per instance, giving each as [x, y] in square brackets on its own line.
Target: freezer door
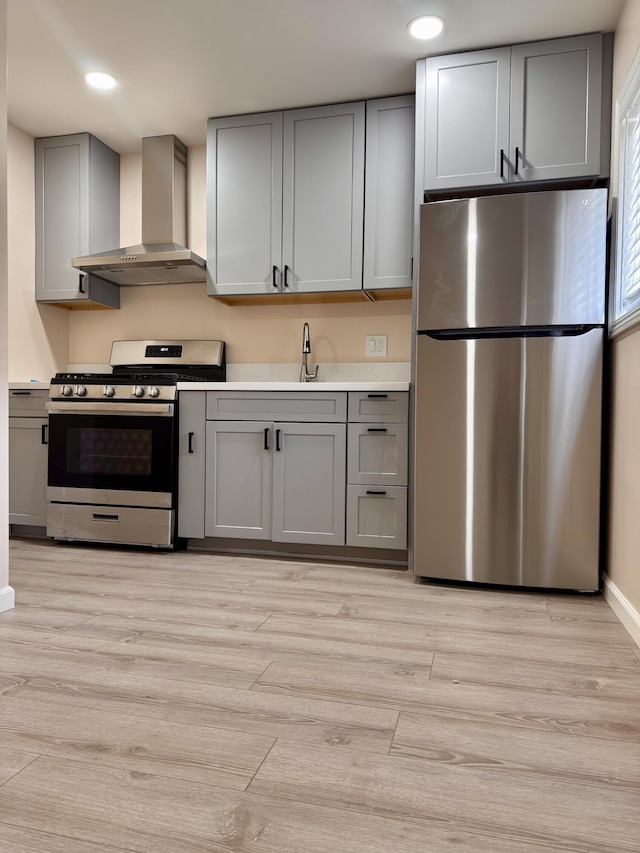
[526, 259]
[507, 460]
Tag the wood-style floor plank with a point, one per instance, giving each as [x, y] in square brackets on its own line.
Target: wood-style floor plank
[153, 814]
[550, 676]
[191, 702]
[505, 749]
[226, 759]
[476, 800]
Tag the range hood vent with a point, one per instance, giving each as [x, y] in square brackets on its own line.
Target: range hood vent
[161, 258]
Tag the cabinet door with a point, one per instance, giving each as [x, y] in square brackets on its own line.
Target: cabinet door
[28, 471]
[466, 118]
[389, 176]
[377, 516]
[323, 198]
[77, 212]
[239, 479]
[244, 204]
[377, 454]
[556, 94]
[191, 464]
[309, 481]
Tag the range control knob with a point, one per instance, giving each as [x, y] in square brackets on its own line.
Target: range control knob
[109, 391]
[66, 390]
[138, 391]
[81, 391]
[153, 391]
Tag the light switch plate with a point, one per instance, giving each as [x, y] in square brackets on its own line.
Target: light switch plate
[376, 346]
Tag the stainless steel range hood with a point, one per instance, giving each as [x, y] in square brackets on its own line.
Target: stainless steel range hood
[161, 258]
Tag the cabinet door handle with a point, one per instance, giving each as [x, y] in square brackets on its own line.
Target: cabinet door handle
[43, 434]
[377, 396]
[81, 283]
[502, 163]
[376, 429]
[266, 438]
[515, 170]
[370, 492]
[285, 278]
[190, 448]
[278, 439]
[274, 273]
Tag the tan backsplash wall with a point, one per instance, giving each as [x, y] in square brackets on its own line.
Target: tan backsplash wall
[625, 451]
[258, 334]
[38, 334]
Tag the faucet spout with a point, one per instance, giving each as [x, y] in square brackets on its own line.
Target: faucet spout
[307, 374]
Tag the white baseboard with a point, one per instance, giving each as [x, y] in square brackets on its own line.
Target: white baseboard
[624, 610]
[7, 598]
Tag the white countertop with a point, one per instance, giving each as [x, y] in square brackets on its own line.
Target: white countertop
[23, 386]
[294, 386]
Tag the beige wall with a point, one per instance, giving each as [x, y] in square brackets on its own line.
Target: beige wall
[624, 563]
[38, 334]
[270, 334]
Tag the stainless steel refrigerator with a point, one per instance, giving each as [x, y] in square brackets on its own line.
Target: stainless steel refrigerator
[508, 389]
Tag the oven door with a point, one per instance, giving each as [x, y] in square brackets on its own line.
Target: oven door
[110, 453]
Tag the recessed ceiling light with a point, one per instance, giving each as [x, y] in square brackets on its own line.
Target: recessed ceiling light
[426, 27]
[100, 80]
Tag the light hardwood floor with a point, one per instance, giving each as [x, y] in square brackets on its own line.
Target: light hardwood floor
[197, 703]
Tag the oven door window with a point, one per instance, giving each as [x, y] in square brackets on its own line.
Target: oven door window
[132, 452]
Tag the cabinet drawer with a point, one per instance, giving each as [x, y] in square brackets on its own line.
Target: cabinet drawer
[296, 406]
[28, 403]
[385, 407]
[377, 516]
[377, 454]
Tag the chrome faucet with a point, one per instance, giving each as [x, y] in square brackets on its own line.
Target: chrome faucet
[305, 375]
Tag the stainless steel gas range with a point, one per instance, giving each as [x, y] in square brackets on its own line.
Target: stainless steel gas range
[112, 461]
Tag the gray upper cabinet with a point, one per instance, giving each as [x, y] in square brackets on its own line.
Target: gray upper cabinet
[244, 204]
[77, 213]
[556, 98]
[389, 177]
[524, 113]
[323, 199]
[463, 118]
[286, 202]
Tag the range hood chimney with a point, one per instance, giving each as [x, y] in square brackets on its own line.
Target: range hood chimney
[161, 258]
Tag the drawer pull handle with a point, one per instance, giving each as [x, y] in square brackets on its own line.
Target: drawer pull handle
[376, 429]
[190, 448]
[375, 493]
[103, 516]
[21, 393]
[266, 438]
[377, 396]
[43, 434]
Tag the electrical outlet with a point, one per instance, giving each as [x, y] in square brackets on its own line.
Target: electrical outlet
[376, 346]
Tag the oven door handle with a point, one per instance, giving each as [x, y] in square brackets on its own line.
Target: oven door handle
[60, 407]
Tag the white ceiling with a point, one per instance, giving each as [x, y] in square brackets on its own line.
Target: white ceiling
[181, 61]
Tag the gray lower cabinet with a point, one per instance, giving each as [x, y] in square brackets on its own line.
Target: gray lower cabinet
[275, 481]
[191, 463]
[285, 201]
[377, 469]
[531, 112]
[77, 213]
[28, 427]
